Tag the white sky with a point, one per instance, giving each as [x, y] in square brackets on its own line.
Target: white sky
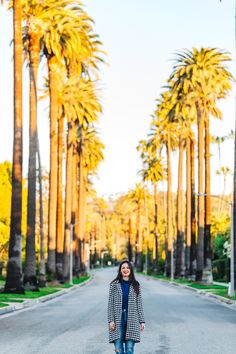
[140, 38]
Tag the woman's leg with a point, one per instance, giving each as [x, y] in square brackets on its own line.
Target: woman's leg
[119, 347]
[129, 346]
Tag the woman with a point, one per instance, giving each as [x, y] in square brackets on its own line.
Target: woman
[125, 310]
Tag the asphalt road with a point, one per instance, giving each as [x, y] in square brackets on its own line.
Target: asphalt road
[177, 321]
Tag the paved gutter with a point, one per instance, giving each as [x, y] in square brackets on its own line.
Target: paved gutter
[33, 302]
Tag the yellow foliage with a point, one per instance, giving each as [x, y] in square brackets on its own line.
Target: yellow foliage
[5, 208]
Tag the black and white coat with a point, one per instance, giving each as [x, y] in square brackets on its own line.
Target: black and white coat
[135, 312]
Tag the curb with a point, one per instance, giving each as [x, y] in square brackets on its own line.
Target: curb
[218, 298]
[31, 303]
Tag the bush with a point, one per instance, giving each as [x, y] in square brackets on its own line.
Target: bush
[1, 270]
[220, 269]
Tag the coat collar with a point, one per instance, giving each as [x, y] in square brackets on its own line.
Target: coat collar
[118, 285]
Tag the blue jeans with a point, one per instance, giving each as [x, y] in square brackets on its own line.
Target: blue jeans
[119, 343]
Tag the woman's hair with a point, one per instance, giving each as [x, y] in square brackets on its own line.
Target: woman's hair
[132, 279]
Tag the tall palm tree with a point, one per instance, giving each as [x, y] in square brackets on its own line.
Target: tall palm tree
[37, 16]
[153, 171]
[201, 75]
[136, 197]
[60, 218]
[166, 131]
[69, 39]
[42, 268]
[77, 101]
[182, 114]
[193, 249]
[180, 264]
[89, 148]
[14, 266]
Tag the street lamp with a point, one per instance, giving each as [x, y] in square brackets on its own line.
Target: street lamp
[231, 286]
[71, 252]
[172, 261]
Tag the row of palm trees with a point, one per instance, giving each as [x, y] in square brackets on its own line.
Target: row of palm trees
[60, 32]
[199, 79]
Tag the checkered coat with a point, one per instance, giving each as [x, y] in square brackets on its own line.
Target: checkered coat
[135, 312]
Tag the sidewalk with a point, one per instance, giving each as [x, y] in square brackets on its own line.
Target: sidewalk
[27, 303]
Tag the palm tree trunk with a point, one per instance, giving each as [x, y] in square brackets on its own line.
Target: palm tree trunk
[74, 206]
[60, 218]
[207, 271]
[234, 195]
[169, 255]
[52, 208]
[179, 271]
[78, 249]
[200, 246]
[30, 279]
[138, 240]
[68, 198]
[193, 249]
[155, 260]
[81, 196]
[130, 254]
[234, 210]
[14, 265]
[42, 270]
[188, 208]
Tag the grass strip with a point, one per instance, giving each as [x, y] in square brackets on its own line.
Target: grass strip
[9, 299]
[31, 294]
[80, 280]
[216, 289]
[3, 305]
[36, 294]
[43, 291]
[212, 286]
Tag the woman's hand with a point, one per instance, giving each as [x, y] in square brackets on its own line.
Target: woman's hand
[112, 325]
[142, 326]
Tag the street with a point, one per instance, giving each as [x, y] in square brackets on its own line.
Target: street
[177, 321]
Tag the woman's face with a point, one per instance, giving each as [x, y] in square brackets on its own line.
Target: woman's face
[125, 270]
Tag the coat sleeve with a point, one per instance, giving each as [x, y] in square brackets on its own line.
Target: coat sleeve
[140, 307]
[110, 311]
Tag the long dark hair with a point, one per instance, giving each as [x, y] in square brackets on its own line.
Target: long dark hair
[132, 279]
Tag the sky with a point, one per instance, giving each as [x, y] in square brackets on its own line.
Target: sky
[141, 39]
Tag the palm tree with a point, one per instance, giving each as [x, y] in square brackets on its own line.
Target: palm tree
[42, 268]
[182, 114]
[180, 264]
[193, 249]
[166, 132]
[69, 39]
[89, 149]
[202, 76]
[136, 197]
[78, 102]
[153, 171]
[60, 218]
[14, 266]
[37, 16]
[220, 140]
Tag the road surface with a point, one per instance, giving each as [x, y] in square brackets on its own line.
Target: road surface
[177, 321]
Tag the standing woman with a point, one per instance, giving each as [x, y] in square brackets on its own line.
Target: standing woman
[125, 310]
